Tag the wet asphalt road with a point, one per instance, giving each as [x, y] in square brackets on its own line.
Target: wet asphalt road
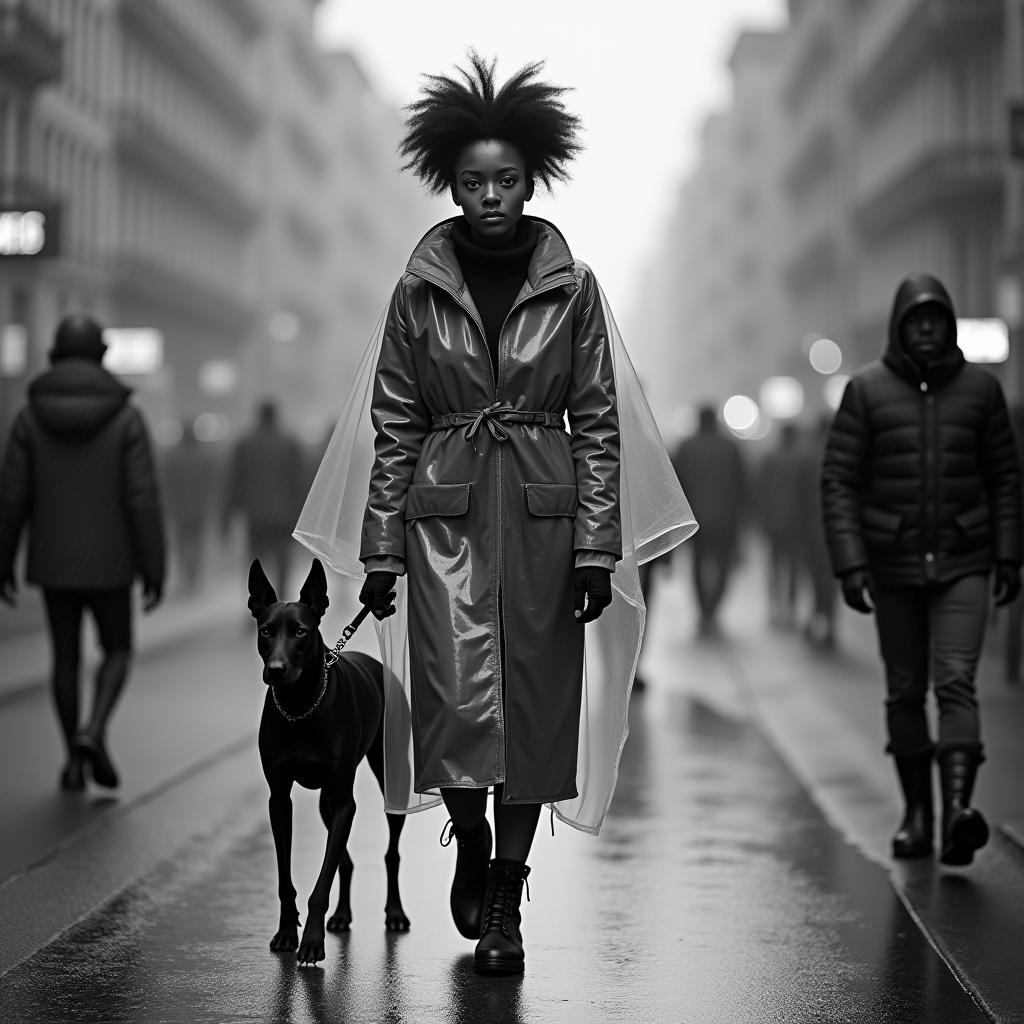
[716, 893]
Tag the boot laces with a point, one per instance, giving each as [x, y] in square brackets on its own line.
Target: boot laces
[449, 826]
[470, 871]
[502, 907]
[449, 832]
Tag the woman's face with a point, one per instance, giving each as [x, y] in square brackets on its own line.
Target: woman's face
[491, 186]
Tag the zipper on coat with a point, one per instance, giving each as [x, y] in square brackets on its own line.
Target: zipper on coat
[499, 492]
[929, 456]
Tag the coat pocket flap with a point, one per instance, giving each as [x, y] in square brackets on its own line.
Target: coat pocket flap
[551, 499]
[437, 500]
[879, 519]
[972, 519]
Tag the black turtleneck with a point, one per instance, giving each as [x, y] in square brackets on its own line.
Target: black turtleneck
[494, 276]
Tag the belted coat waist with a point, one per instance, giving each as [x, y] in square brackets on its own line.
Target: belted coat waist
[492, 417]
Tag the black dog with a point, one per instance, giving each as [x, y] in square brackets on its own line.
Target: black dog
[318, 723]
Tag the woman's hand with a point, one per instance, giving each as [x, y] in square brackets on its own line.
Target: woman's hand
[378, 593]
[595, 584]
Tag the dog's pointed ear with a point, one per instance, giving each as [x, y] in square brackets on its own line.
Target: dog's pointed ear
[314, 591]
[261, 591]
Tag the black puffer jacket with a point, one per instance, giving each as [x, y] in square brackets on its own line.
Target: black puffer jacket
[79, 471]
[920, 481]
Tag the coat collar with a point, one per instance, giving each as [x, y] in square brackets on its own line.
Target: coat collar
[434, 257]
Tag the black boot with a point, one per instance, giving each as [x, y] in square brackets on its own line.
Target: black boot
[500, 949]
[914, 836]
[964, 830]
[470, 882]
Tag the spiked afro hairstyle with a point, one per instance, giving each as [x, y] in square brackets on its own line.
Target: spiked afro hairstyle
[453, 114]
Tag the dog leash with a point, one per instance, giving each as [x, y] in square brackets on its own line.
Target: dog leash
[332, 657]
[346, 635]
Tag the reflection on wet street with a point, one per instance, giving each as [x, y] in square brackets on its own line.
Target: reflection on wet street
[715, 893]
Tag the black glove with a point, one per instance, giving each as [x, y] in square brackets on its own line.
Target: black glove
[1007, 583]
[595, 584]
[855, 583]
[378, 593]
[152, 595]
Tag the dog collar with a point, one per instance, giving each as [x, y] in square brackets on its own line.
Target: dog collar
[330, 658]
[305, 714]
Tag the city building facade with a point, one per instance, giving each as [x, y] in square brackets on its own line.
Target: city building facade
[211, 185]
[713, 311]
[890, 152]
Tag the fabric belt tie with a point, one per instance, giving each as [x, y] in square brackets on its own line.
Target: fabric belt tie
[492, 418]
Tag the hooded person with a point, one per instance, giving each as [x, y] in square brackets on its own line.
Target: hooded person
[78, 471]
[497, 471]
[921, 502]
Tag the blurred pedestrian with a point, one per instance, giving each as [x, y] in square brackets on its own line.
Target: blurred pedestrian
[79, 472]
[1013, 613]
[922, 500]
[819, 627]
[189, 476]
[779, 508]
[711, 469]
[266, 481]
[500, 399]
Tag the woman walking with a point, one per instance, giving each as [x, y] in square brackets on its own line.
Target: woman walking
[496, 529]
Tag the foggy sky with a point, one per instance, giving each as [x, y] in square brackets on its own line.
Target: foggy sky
[644, 74]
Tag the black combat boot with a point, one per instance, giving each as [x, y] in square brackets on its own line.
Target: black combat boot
[500, 949]
[914, 836]
[964, 830]
[470, 881]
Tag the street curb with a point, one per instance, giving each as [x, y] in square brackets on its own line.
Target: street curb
[862, 810]
[45, 899]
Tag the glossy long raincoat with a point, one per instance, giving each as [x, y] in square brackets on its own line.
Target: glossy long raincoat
[476, 483]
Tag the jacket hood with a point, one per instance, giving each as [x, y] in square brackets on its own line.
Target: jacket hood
[915, 290]
[434, 257]
[76, 397]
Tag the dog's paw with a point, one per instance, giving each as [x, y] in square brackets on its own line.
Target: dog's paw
[310, 953]
[285, 941]
[339, 921]
[396, 922]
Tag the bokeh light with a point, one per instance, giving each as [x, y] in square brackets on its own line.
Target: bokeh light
[983, 340]
[740, 413]
[825, 356]
[211, 426]
[782, 397]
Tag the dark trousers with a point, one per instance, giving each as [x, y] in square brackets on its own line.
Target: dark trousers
[783, 579]
[936, 630]
[712, 563]
[111, 612]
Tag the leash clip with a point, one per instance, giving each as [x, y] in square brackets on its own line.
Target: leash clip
[346, 634]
